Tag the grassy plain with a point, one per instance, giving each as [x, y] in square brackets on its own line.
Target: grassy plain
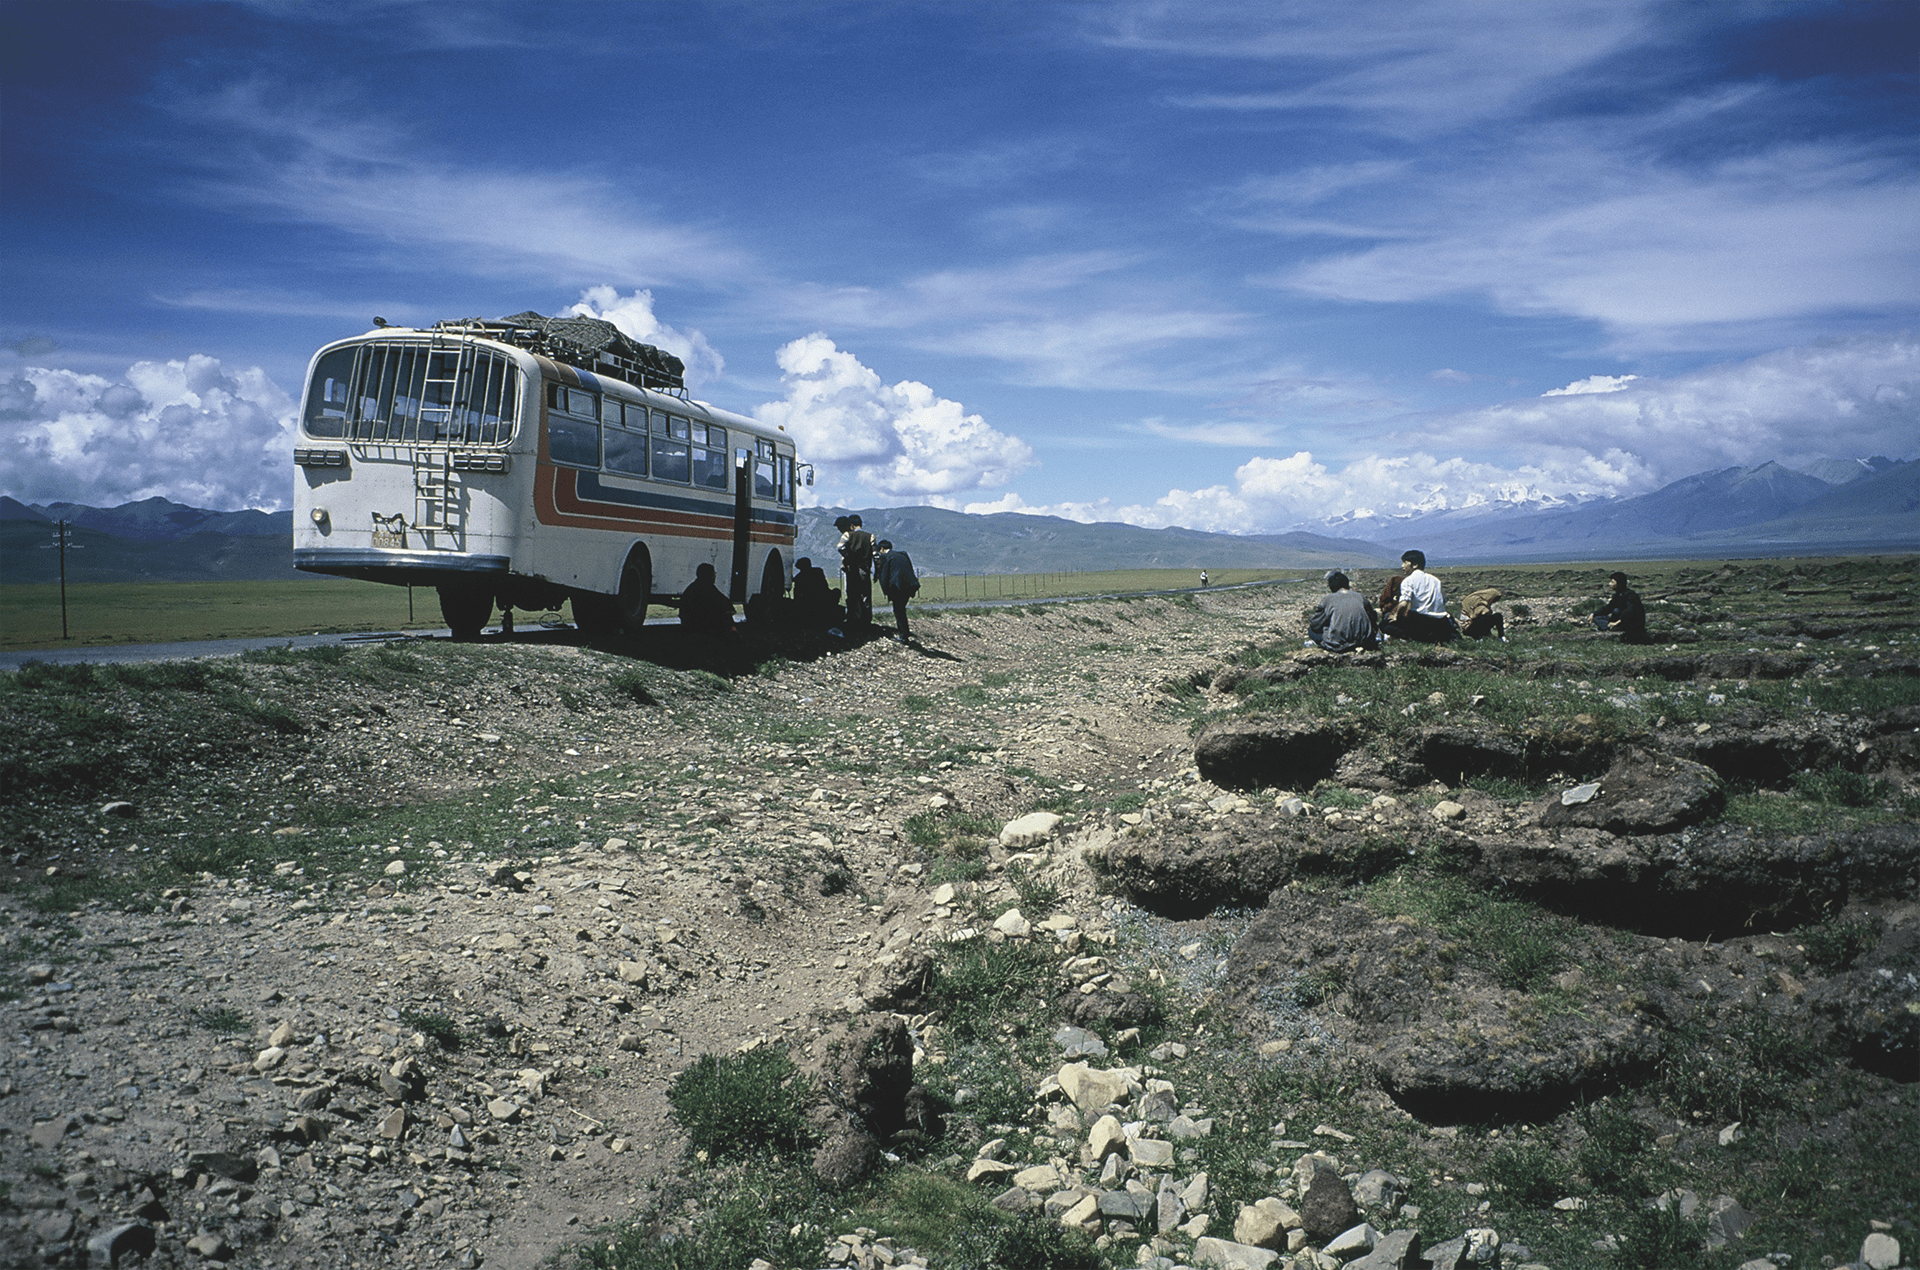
[173, 612]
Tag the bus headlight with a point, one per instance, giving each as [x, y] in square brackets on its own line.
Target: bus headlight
[320, 518]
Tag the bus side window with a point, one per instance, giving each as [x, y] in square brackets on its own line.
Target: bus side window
[626, 451]
[671, 461]
[710, 457]
[573, 430]
[783, 483]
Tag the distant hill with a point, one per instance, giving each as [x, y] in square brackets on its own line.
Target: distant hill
[1764, 510]
[943, 541]
[1842, 506]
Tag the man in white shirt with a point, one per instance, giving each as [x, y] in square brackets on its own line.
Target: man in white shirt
[1422, 612]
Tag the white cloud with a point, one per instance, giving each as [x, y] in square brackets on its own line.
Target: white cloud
[1614, 436]
[633, 314]
[1591, 384]
[193, 431]
[289, 154]
[898, 440]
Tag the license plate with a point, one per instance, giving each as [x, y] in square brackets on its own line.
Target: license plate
[389, 537]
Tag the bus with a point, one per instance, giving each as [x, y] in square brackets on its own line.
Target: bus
[532, 460]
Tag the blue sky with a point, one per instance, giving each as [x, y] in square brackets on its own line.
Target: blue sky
[1234, 266]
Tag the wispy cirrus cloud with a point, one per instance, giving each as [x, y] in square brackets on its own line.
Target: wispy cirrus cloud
[326, 159]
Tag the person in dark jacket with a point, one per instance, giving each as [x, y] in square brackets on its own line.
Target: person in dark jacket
[704, 609]
[814, 602]
[893, 570]
[1624, 613]
[856, 565]
[1344, 620]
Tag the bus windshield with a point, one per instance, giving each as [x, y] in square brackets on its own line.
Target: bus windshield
[413, 392]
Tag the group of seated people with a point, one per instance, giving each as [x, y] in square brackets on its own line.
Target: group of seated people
[1413, 606]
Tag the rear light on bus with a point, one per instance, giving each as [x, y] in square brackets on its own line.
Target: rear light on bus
[319, 457]
[479, 462]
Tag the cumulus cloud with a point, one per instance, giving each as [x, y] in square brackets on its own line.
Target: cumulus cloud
[898, 440]
[633, 314]
[194, 431]
[1611, 436]
[1592, 383]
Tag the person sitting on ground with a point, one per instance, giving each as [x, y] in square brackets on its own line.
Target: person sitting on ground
[704, 608]
[893, 570]
[814, 602]
[1344, 620]
[1479, 619]
[1421, 614]
[1390, 595]
[1624, 612]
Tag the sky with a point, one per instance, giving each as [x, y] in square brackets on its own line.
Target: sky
[1240, 267]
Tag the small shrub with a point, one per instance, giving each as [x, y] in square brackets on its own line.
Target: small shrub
[971, 695]
[1612, 1158]
[1328, 794]
[1660, 1239]
[632, 684]
[1528, 1173]
[976, 981]
[741, 1103]
[397, 660]
[436, 1027]
[270, 713]
[916, 704]
[1834, 946]
[1840, 788]
[76, 676]
[224, 1020]
[707, 681]
[1037, 896]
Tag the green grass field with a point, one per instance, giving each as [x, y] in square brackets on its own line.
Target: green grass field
[170, 612]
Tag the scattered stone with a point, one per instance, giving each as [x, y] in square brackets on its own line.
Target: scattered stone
[1352, 1243]
[1880, 1251]
[1225, 1254]
[1013, 925]
[126, 1239]
[1029, 830]
[1265, 1223]
[1447, 809]
[209, 1246]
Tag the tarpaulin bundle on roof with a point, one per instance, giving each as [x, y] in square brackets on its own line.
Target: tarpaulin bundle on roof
[589, 343]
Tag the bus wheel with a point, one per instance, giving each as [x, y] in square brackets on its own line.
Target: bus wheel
[636, 588]
[465, 609]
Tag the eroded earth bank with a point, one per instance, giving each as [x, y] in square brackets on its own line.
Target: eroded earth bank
[1110, 932]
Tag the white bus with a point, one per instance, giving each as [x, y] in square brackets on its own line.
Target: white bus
[533, 460]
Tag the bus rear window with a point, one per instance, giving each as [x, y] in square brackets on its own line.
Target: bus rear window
[412, 392]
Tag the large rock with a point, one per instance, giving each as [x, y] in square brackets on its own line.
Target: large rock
[1641, 793]
[896, 980]
[1327, 1208]
[1179, 871]
[1210, 1253]
[1261, 752]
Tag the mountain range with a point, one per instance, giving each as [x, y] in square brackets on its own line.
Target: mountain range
[1833, 507]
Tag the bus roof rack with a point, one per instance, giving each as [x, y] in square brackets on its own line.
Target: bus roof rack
[589, 343]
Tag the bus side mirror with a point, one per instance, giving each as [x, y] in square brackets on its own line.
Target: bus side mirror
[806, 474]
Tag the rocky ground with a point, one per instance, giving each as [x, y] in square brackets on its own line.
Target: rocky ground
[389, 958]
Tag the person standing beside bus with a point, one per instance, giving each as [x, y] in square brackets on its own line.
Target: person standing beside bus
[894, 571]
[856, 564]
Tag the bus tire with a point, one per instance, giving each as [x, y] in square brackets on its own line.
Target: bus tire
[465, 609]
[636, 588]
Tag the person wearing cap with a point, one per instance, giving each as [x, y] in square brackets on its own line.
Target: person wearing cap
[894, 571]
[856, 565]
[1624, 612]
[1344, 620]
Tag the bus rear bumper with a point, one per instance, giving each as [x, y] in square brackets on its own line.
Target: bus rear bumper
[417, 568]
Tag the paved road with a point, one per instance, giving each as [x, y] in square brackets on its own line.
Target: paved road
[107, 654]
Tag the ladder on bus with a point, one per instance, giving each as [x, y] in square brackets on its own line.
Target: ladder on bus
[436, 494]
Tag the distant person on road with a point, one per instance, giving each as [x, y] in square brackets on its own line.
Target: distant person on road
[1624, 612]
[1479, 619]
[814, 602]
[856, 565]
[1344, 620]
[704, 608]
[1421, 614]
[1203, 577]
[894, 572]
